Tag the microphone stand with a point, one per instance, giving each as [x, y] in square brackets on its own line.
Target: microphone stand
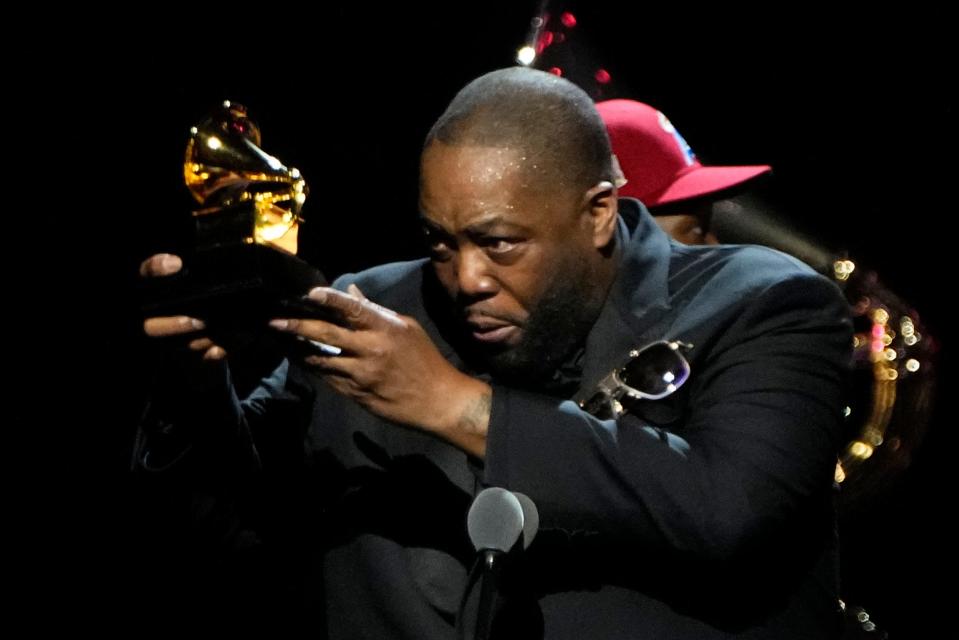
[500, 523]
[490, 577]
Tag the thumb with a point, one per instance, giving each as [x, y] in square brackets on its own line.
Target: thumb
[355, 290]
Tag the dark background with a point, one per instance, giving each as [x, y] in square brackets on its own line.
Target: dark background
[852, 111]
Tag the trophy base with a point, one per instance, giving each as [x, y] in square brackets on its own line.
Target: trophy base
[236, 286]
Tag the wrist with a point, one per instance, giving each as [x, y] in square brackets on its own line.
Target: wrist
[465, 422]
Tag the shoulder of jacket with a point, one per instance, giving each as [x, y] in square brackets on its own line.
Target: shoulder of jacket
[391, 284]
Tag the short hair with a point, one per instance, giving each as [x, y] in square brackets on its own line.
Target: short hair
[546, 116]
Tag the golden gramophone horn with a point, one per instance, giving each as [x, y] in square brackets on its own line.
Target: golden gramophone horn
[225, 166]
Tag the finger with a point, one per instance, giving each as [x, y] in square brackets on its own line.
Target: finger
[358, 311]
[320, 331]
[161, 264]
[342, 373]
[340, 366]
[340, 384]
[171, 326]
[200, 344]
[216, 352]
[321, 348]
[355, 291]
[349, 307]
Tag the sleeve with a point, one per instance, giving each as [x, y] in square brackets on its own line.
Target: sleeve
[764, 418]
[199, 420]
[189, 413]
[205, 460]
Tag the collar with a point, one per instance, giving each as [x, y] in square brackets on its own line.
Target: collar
[638, 306]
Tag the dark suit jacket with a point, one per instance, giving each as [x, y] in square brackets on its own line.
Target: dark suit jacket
[703, 515]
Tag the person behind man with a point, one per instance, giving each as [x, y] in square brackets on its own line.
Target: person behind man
[703, 514]
[662, 171]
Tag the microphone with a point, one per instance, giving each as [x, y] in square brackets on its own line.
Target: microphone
[496, 521]
[530, 518]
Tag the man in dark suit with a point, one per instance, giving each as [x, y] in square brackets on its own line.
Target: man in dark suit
[702, 513]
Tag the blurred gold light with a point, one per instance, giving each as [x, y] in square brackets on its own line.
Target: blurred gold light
[840, 473]
[912, 364]
[910, 340]
[860, 449]
[906, 327]
[889, 354]
[842, 269]
[214, 143]
[880, 316]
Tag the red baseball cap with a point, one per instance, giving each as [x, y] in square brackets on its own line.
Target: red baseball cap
[658, 164]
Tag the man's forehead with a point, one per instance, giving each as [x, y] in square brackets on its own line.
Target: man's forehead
[478, 161]
[461, 209]
[468, 168]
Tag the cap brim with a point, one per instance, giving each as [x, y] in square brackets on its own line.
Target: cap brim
[700, 181]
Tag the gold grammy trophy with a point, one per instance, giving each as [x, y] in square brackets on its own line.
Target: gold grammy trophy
[243, 269]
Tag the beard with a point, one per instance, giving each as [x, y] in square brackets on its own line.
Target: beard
[556, 326]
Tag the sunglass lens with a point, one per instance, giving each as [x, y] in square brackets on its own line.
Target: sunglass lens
[656, 370]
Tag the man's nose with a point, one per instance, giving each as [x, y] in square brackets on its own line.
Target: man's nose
[473, 274]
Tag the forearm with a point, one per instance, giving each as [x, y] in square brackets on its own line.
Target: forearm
[463, 414]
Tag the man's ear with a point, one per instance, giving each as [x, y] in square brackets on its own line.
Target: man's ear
[602, 206]
[619, 178]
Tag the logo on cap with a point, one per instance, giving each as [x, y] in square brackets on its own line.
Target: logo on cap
[680, 141]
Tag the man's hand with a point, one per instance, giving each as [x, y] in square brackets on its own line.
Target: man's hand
[391, 367]
[165, 264]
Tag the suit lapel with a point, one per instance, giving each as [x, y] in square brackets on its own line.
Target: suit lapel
[637, 311]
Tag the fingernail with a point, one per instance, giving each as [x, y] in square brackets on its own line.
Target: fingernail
[318, 295]
[214, 353]
[279, 324]
[171, 262]
[192, 322]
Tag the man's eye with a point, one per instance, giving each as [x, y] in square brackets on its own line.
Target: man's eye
[438, 247]
[436, 242]
[500, 245]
